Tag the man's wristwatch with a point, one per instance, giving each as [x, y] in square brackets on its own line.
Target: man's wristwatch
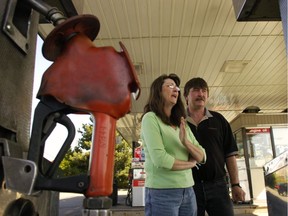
[235, 185]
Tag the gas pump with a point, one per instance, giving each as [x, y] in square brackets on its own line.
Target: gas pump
[138, 177]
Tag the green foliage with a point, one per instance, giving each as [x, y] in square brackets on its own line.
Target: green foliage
[123, 157]
[271, 180]
[76, 161]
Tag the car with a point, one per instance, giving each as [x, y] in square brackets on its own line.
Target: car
[282, 189]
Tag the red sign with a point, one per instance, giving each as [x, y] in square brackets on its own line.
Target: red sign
[137, 153]
[257, 130]
[138, 183]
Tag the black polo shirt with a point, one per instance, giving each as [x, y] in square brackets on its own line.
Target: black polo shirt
[215, 135]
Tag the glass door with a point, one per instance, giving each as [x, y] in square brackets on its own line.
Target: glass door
[243, 166]
[259, 146]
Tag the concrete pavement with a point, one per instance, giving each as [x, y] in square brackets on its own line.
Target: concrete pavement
[71, 205]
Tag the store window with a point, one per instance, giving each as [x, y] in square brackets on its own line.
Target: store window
[280, 135]
[240, 145]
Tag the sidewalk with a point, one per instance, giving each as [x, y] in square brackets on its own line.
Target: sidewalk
[71, 205]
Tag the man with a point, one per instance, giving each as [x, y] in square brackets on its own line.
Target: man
[214, 133]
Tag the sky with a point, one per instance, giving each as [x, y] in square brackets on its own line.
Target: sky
[59, 134]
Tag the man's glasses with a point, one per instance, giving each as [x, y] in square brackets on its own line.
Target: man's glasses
[172, 86]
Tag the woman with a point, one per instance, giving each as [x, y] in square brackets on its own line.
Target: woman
[171, 151]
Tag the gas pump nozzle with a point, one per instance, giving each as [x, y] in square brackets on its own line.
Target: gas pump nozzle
[97, 80]
[82, 79]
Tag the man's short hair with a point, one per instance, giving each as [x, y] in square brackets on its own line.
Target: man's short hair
[197, 82]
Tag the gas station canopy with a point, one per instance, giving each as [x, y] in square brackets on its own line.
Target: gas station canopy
[244, 61]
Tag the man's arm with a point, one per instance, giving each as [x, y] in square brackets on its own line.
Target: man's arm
[232, 168]
[237, 193]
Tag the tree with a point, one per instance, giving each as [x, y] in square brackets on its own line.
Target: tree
[123, 157]
[76, 161]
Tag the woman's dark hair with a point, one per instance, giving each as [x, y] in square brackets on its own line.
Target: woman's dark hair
[156, 101]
